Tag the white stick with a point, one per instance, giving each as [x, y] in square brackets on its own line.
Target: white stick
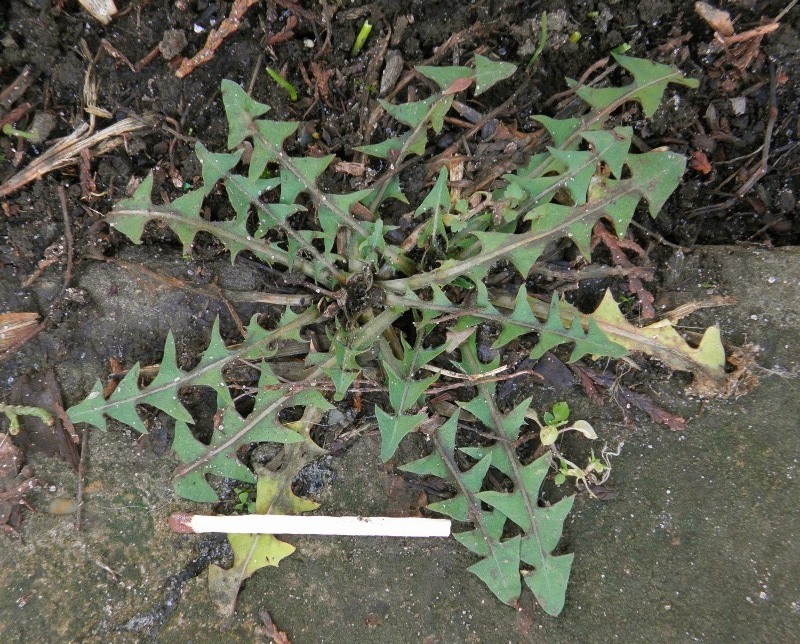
[291, 524]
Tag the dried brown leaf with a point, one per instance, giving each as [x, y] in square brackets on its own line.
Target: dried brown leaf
[718, 20]
[15, 328]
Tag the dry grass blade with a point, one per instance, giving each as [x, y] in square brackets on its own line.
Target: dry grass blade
[67, 151]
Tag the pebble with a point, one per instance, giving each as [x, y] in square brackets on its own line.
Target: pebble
[391, 71]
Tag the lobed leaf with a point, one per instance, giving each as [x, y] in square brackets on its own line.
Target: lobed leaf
[490, 72]
[404, 392]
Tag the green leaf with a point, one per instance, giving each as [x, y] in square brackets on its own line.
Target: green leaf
[215, 166]
[91, 409]
[560, 412]
[490, 72]
[491, 526]
[390, 149]
[393, 191]
[462, 506]
[510, 425]
[433, 464]
[514, 504]
[612, 146]
[549, 583]
[268, 138]
[560, 130]
[219, 457]
[500, 570]
[650, 80]
[243, 193]
[580, 167]
[253, 552]
[656, 175]
[522, 313]
[523, 257]
[404, 392]
[411, 114]
[240, 110]
[394, 428]
[133, 227]
[592, 341]
[345, 369]
[444, 77]
[329, 214]
[550, 576]
[304, 173]
[437, 202]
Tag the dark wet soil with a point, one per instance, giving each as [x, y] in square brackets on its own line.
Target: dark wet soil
[113, 312]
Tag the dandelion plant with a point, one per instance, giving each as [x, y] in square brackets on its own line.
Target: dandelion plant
[404, 318]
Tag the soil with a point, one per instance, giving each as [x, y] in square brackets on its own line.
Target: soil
[113, 310]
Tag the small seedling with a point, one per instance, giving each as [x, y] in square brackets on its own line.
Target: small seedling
[361, 38]
[284, 84]
[10, 130]
[13, 412]
[542, 41]
[244, 502]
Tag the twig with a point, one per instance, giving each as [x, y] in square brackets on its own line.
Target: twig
[786, 10]
[763, 166]
[216, 37]
[581, 81]
[758, 32]
[149, 58]
[117, 54]
[254, 76]
[658, 237]
[464, 376]
[17, 88]
[16, 114]
[27, 337]
[62, 197]
[82, 477]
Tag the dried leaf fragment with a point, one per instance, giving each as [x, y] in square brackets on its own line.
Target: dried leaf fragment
[718, 20]
[102, 10]
[14, 327]
[661, 341]
[700, 162]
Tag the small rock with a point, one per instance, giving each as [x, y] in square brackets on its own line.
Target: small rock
[739, 105]
[391, 71]
[172, 43]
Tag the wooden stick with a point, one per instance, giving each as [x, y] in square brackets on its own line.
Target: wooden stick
[303, 524]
